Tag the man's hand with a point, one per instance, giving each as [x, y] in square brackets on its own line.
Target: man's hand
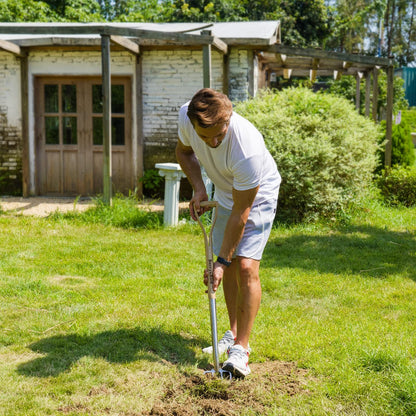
[217, 274]
[195, 202]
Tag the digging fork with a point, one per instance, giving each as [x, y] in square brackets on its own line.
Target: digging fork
[211, 293]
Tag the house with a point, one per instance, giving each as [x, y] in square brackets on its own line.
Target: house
[57, 114]
[153, 72]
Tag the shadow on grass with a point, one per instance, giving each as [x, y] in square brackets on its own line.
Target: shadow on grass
[119, 346]
[369, 251]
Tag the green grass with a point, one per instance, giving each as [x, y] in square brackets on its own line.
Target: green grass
[110, 318]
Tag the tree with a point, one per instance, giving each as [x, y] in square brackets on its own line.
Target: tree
[49, 11]
[304, 23]
[400, 28]
[26, 11]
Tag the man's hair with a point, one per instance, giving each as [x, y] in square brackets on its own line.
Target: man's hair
[209, 108]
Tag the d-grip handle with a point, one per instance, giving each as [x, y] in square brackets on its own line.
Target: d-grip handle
[208, 204]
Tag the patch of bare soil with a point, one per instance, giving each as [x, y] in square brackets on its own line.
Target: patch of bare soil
[44, 206]
[205, 395]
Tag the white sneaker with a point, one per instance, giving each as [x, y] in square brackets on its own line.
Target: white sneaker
[237, 362]
[225, 342]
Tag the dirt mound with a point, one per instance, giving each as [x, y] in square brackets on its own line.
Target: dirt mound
[205, 395]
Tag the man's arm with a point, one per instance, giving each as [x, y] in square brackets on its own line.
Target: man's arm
[190, 165]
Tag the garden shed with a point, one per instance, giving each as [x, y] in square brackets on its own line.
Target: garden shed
[83, 103]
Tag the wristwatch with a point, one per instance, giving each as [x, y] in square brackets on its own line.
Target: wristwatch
[223, 261]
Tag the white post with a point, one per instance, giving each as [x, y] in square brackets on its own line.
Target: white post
[172, 173]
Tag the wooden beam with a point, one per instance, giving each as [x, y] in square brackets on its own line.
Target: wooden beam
[337, 75]
[389, 115]
[287, 73]
[126, 44]
[11, 47]
[108, 29]
[219, 44]
[318, 53]
[106, 89]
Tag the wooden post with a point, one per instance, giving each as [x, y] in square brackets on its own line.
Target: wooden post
[206, 61]
[24, 93]
[367, 93]
[106, 79]
[357, 92]
[139, 125]
[389, 114]
[251, 87]
[375, 93]
[226, 73]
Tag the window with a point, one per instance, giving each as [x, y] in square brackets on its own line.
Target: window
[60, 114]
[117, 115]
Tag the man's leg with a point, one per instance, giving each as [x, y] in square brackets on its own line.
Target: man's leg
[230, 287]
[242, 292]
[249, 298]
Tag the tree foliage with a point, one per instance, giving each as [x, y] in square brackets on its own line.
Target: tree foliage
[376, 27]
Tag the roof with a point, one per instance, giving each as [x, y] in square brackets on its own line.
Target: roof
[232, 33]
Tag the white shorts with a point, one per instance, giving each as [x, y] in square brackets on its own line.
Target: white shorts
[256, 231]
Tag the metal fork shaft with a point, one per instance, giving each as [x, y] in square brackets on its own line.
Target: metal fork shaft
[213, 317]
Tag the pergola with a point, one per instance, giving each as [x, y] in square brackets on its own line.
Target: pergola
[273, 57]
[288, 61]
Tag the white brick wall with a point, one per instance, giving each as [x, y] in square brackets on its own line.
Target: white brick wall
[10, 88]
[170, 78]
[62, 62]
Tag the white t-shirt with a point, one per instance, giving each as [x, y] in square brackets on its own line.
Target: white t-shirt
[241, 161]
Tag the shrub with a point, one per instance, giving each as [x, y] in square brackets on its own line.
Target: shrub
[409, 116]
[398, 185]
[152, 183]
[324, 150]
[402, 149]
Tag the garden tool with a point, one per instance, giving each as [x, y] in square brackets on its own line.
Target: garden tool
[210, 291]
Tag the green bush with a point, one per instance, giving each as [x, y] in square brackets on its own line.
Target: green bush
[409, 116]
[402, 149]
[324, 150]
[398, 185]
[152, 183]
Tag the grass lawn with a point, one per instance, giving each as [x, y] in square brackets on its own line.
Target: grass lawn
[103, 320]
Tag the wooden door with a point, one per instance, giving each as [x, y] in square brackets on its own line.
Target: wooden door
[69, 136]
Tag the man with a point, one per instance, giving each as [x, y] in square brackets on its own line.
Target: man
[246, 180]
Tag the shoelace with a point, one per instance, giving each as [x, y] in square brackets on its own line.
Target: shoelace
[226, 340]
[241, 353]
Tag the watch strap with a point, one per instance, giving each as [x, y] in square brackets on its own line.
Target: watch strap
[221, 260]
